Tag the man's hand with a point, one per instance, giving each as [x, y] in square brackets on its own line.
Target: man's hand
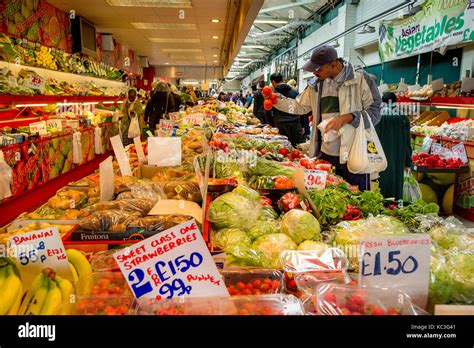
[338, 122]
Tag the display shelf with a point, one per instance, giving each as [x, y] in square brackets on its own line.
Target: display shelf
[11, 99]
[422, 169]
[457, 141]
[32, 199]
[440, 101]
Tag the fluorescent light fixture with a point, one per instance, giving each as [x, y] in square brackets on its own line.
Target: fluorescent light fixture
[270, 21]
[184, 57]
[163, 26]
[216, 61]
[172, 50]
[253, 46]
[215, 55]
[167, 63]
[151, 3]
[215, 37]
[452, 107]
[215, 20]
[108, 102]
[243, 59]
[170, 40]
[26, 105]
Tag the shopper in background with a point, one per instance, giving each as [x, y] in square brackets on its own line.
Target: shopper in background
[190, 91]
[394, 134]
[249, 99]
[305, 128]
[292, 84]
[131, 107]
[258, 100]
[161, 103]
[221, 97]
[339, 95]
[287, 123]
[176, 97]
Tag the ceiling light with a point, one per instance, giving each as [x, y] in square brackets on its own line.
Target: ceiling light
[163, 26]
[167, 63]
[215, 20]
[151, 3]
[270, 21]
[216, 61]
[253, 46]
[170, 40]
[215, 55]
[215, 37]
[169, 50]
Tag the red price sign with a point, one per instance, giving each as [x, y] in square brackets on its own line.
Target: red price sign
[315, 179]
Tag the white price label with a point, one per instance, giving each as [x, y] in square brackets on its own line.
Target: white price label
[55, 123]
[34, 251]
[459, 151]
[397, 262]
[38, 127]
[315, 179]
[121, 156]
[166, 124]
[173, 263]
[35, 82]
[139, 149]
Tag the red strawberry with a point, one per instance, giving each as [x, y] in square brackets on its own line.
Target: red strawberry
[346, 311]
[330, 298]
[378, 311]
[393, 311]
[355, 303]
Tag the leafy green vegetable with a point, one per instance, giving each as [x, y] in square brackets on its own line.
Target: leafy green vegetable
[229, 239]
[247, 192]
[331, 203]
[440, 281]
[267, 168]
[461, 268]
[232, 210]
[271, 245]
[320, 247]
[408, 215]
[262, 228]
[300, 225]
[369, 202]
[267, 213]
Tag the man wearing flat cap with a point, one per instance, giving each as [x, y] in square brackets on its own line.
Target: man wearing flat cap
[342, 97]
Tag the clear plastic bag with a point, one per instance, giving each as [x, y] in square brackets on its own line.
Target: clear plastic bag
[134, 128]
[328, 136]
[334, 299]
[109, 220]
[276, 304]
[185, 190]
[411, 189]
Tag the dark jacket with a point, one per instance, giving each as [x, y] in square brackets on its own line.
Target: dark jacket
[177, 101]
[258, 109]
[157, 106]
[281, 116]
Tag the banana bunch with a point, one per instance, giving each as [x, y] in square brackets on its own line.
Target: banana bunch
[11, 288]
[45, 59]
[80, 267]
[48, 292]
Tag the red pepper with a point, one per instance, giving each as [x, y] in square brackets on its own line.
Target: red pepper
[283, 151]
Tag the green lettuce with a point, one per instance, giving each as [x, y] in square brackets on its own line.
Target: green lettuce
[271, 245]
[231, 210]
[300, 225]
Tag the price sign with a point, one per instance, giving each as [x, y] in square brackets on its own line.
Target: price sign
[171, 264]
[38, 127]
[121, 156]
[55, 123]
[315, 179]
[164, 152]
[459, 151]
[193, 120]
[37, 250]
[106, 179]
[35, 82]
[139, 149]
[397, 262]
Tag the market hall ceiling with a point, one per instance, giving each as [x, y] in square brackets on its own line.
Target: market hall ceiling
[177, 32]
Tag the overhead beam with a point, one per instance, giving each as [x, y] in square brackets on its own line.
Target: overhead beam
[286, 6]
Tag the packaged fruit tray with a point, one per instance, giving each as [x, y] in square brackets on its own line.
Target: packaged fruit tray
[237, 305]
[105, 284]
[253, 282]
[100, 305]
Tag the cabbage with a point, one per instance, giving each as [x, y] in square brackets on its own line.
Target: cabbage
[300, 225]
[229, 239]
[247, 192]
[262, 228]
[450, 238]
[320, 247]
[232, 210]
[267, 213]
[271, 245]
[461, 267]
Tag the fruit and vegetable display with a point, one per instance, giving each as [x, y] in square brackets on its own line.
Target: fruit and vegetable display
[284, 250]
[423, 159]
[455, 128]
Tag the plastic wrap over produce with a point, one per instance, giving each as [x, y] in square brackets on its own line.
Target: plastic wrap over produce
[237, 305]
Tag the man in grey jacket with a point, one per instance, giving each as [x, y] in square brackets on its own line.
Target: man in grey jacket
[340, 97]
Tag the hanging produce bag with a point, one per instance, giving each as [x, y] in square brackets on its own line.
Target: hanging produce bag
[6, 178]
[411, 189]
[76, 148]
[134, 129]
[99, 149]
[366, 155]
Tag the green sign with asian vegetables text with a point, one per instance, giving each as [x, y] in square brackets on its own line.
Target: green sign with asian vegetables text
[439, 23]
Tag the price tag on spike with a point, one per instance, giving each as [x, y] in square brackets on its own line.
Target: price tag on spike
[315, 179]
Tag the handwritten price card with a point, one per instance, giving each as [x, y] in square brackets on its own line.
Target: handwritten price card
[37, 250]
[397, 262]
[315, 179]
[171, 264]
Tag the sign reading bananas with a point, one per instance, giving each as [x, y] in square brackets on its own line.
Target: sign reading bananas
[35, 251]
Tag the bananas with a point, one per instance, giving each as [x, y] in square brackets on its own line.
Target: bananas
[79, 262]
[48, 292]
[11, 289]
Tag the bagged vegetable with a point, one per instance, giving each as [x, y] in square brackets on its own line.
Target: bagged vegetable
[272, 245]
[263, 227]
[411, 189]
[229, 239]
[234, 211]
